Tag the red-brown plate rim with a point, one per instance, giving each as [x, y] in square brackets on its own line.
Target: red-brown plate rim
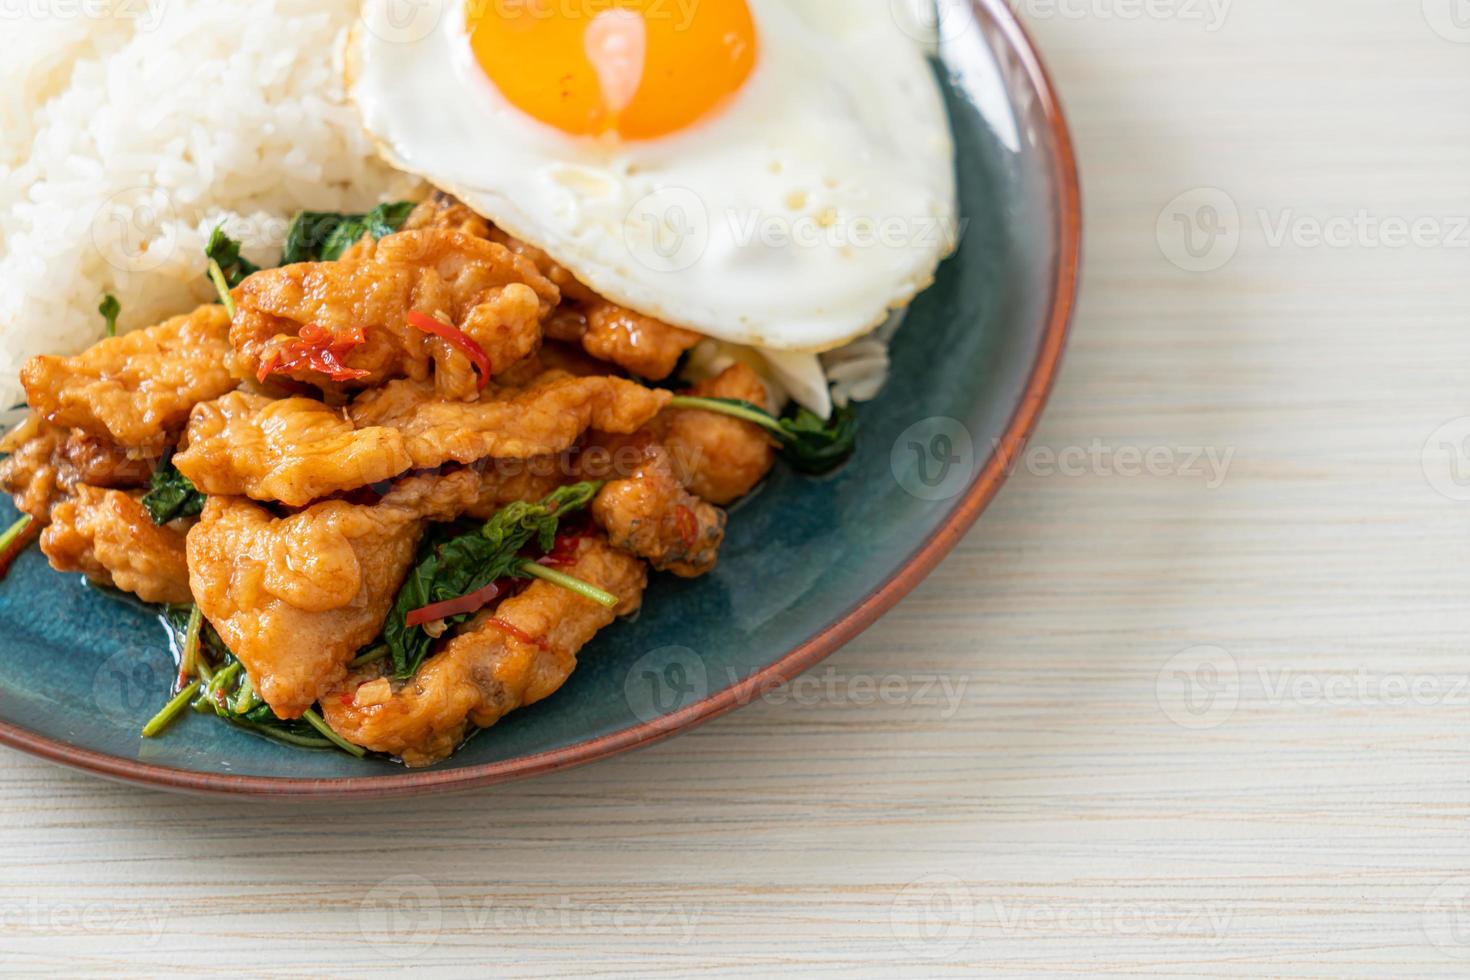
[812, 651]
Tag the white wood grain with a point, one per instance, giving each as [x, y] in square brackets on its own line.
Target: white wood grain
[1053, 819]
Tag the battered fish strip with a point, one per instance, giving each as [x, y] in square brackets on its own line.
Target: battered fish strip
[445, 212]
[641, 345]
[545, 418]
[31, 473]
[46, 463]
[520, 653]
[638, 344]
[295, 598]
[506, 481]
[109, 537]
[718, 457]
[496, 298]
[651, 514]
[294, 450]
[298, 450]
[571, 289]
[136, 390]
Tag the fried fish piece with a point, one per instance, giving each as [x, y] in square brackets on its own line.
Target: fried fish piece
[571, 289]
[641, 345]
[651, 514]
[506, 481]
[295, 598]
[292, 450]
[109, 537]
[46, 462]
[357, 311]
[136, 390]
[99, 462]
[297, 450]
[718, 457]
[446, 212]
[31, 473]
[546, 417]
[516, 655]
[638, 344]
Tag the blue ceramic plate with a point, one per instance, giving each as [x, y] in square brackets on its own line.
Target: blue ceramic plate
[806, 566]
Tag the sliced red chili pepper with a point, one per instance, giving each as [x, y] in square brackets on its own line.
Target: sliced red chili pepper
[268, 366]
[563, 554]
[316, 349]
[457, 339]
[688, 525]
[515, 632]
[20, 544]
[468, 603]
[348, 698]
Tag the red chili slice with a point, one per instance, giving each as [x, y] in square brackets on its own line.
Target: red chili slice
[468, 603]
[316, 349]
[457, 339]
[515, 632]
[564, 553]
[688, 525]
[268, 366]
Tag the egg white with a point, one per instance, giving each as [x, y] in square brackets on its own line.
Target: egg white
[818, 199]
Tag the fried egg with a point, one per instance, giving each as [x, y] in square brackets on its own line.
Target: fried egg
[774, 173]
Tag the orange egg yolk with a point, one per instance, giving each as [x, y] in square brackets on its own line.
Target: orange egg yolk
[639, 69]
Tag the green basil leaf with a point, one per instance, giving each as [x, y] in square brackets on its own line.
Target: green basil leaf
[172, 496]
[322, 236]
[110, 309]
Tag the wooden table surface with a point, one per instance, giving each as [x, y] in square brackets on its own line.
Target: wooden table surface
[1191, 699]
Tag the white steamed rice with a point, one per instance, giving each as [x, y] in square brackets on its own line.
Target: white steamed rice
[130, 128]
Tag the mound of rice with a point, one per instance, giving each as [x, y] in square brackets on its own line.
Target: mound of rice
[130, 128]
